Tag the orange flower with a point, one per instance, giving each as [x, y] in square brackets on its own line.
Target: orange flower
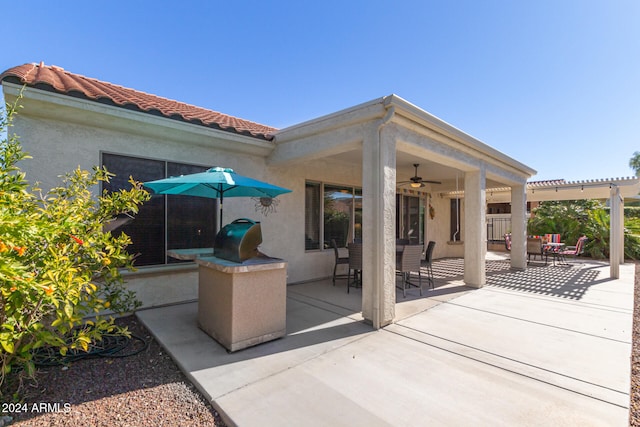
[78, 241]
[19, 249]
[48, 290]
[3, 247]
[13, 288]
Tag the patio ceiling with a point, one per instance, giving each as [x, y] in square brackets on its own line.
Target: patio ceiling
[428, 170]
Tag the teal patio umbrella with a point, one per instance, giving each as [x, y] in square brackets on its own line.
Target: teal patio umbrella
[215, 183]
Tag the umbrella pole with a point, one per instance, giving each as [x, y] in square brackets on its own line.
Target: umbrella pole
[221, 199]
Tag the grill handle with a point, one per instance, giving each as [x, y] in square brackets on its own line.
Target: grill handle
[243, 220]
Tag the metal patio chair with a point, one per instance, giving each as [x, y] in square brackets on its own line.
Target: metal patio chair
[410, 261]
[535, 248]
[339, 261]
[355, 265]
[429, 263]
[573, 251]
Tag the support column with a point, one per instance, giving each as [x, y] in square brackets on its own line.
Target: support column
[616, 232]
[475, 228]
[378, 225]
[518, 227]
[621, 213]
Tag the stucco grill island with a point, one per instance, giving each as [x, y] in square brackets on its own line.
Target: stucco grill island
[241, 292]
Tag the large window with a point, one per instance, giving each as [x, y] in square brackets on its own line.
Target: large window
[410, 219]
[164, 222]
[312, 216]
[340, 208]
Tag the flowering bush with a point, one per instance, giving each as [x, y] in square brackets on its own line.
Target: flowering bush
[58, 268]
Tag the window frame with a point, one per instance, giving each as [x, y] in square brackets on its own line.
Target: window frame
[402, 217]
[167, 261]
[355, 227]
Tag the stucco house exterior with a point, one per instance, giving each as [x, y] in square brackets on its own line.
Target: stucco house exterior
[346, 168]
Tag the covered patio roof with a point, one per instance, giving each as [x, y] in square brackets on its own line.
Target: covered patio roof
[443, 151]
[382, 139]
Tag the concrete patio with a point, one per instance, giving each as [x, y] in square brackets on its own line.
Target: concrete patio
[545, 346]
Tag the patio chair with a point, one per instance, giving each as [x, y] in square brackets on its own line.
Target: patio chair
[410, 261]
[535, 248]
[355, 265]
[339, 261]
[507, 242]
[429, 262]
[573, 251]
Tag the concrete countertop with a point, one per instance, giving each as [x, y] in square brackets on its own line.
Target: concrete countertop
[190, 254]
[260, 263]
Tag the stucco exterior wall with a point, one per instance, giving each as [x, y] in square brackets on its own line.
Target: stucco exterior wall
[437, 229]
[63, 132]
[58, 147]
[310, 265]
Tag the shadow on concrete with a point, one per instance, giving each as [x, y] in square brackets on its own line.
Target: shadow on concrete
[563, 281]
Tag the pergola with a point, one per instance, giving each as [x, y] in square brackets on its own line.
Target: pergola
[613, 189]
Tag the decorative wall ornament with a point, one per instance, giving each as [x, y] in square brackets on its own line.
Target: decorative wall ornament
[266, 205]
[432, 211]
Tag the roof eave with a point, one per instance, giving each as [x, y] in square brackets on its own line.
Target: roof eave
[417, 114]
[83, 111]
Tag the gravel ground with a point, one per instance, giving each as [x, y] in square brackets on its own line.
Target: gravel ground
[634, 412]
[146, 389]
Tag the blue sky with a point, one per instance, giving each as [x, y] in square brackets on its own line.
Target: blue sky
[553, 83]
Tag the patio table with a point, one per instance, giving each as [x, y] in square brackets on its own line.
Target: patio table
[553, 249]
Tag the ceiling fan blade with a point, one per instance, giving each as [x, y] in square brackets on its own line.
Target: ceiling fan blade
[415, 179]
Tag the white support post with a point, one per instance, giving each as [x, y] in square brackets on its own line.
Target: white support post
[616, 233]
[621, 230]
[475, 228]
[518, 227]
[378, 226]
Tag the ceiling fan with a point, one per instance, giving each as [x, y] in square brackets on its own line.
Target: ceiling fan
[417, 181]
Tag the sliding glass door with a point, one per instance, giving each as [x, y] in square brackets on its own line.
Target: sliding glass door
[410, 219]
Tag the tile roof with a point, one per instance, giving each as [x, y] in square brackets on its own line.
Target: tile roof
[54, 78]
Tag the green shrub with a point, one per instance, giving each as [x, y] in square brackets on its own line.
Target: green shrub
[574, 218]
[58, 269]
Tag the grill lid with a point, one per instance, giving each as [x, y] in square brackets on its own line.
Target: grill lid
[238, 241]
